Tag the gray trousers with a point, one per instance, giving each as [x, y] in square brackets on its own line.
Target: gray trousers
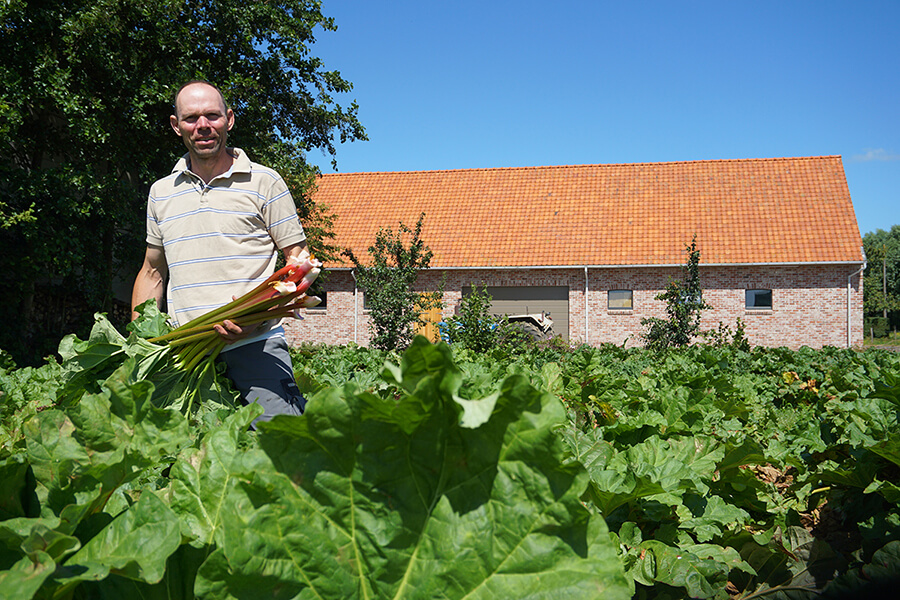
[262, 373]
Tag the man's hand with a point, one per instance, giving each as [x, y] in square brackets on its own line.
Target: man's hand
[231, 332]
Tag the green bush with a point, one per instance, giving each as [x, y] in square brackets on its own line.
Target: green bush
[388, 281]
[474, 326]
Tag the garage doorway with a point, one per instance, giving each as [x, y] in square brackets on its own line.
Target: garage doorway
[514, 300]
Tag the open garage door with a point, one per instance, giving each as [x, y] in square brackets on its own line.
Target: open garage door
[508, 300]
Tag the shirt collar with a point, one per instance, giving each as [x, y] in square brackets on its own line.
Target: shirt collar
[241, 164]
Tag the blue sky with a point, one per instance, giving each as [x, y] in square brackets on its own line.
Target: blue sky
[497, 83]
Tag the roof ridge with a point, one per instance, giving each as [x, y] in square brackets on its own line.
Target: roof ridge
[581, 166]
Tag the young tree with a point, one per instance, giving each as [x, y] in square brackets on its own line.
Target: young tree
[394, 307]
[474, 326]
[86, 89]
[684, 301]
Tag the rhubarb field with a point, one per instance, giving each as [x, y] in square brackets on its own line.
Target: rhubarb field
[548, 472]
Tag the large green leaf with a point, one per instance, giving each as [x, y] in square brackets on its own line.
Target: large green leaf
[25, 578]
[80, 457]
[201, 478]
[14, 487]
[656, 466]
[89, 363]
[695, 571]
[135, 545]
[351, 505]
[877, 579]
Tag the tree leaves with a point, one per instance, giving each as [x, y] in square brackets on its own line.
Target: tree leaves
[87, 90]
[389, 284]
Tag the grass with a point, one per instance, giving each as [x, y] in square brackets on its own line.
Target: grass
[892, 340]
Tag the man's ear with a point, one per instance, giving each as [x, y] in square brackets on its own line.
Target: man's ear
[229, 114]
[173, 121]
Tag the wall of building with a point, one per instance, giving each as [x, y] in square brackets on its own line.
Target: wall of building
[809, 303]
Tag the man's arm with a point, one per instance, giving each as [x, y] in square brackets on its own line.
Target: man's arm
[151, 279]
[299, 251]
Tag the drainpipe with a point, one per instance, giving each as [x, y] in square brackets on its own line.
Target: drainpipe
[586, 321]
[355, 305]
[849, 280]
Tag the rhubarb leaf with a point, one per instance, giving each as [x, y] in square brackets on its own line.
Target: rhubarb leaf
[135, 545]
[150, 322]
[25, 578]
[346, 504]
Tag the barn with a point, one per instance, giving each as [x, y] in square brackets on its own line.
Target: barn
[593, 245]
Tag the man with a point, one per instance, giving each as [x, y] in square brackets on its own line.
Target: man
[213, 226]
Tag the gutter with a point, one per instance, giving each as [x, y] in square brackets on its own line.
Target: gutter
[646, 266]
[586, 311]
[355, 306]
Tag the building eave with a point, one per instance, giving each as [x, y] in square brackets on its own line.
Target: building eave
[641, 266]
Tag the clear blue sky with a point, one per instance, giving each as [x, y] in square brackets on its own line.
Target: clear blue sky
[501, 83]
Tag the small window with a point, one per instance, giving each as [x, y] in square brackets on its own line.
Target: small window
[318, 289]
[620, 300]
[323, 304]
[758, 299]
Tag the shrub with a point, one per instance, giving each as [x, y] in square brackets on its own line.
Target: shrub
[474, 326]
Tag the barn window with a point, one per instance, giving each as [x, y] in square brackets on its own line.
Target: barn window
[318, 289]
[620, 300]
[758, 299]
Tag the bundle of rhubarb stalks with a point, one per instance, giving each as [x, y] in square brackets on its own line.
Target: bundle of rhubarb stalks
[281, 295]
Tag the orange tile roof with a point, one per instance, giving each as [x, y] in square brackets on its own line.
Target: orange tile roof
[779, 210]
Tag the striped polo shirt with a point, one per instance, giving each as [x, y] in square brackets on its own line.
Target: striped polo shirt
[219, 238]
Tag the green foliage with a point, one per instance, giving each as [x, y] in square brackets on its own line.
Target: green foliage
[415, 488]
[708, 471]
[320, 366]
[86, 92]
[474, 326]
[717, 456]
[388, 282]
[724, 336]
[881, 286]
[684, 301]
[876, 327]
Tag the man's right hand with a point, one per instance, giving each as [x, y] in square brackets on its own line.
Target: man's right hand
[231, 332]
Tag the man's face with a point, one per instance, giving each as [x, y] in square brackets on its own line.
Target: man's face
[202, 121]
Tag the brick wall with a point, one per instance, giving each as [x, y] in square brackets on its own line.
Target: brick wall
[809, 303]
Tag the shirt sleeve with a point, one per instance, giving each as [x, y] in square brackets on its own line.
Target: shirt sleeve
[280, 215]
[154, 235]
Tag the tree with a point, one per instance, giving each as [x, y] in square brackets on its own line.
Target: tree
[388, 281]
[684, 301]
[881, 284]
[86, 89]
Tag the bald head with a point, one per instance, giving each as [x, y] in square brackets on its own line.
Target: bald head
[196, 86]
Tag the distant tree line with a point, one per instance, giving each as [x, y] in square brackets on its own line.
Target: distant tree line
[881, 284]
